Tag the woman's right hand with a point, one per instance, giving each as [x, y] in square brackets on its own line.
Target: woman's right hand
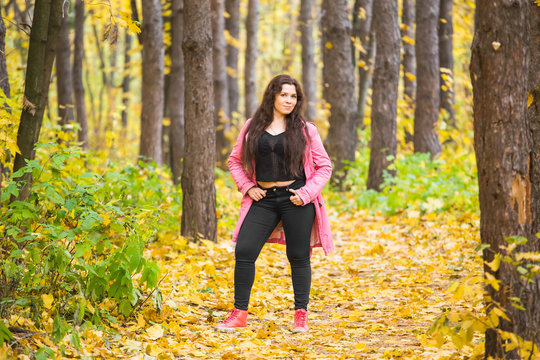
[256, 193]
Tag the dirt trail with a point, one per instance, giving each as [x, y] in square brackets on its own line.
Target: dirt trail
[373, 297]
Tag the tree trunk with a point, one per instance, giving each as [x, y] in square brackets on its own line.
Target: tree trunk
[250, 87]
[338, 89]
[501, 73]
[409, 54]
[41, 51]
[165, 132]
[198, 188]
[78, 87]
[135, 17]
[4, 78]
[363, 30]
[126, 81]
[308, 59]
[64, 78]
[385, 92]
[426, 112]
[221, 95]
[290, 41]
[152, 81]
[99, 109]
[4, 86]
[176, 91]
[533, 114]
[528, 327]
[232, 25]
[446, 61]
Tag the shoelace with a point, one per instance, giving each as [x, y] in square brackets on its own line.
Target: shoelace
[300, 318]
[231, 316]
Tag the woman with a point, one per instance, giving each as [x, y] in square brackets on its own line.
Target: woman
[280, 166]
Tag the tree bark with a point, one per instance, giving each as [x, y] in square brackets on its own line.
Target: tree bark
[426, 113]
[64, 78]
[135, 17]
[363, 31]
[126, 81]
[152, 81]
[4, 78]
[529, 327]
[105, 83]
[504, 56]
[4, 86]
[446, 60]
[198, 188]
[533, 114]
[385, 92]
[41, 51]
[338, 87]
[176, 91]
[250, 77]
[308, 59]
[221, 95]
[78, 87]
[232, 25]
[409, 54]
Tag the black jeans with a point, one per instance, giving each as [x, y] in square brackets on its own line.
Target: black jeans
[260, 221]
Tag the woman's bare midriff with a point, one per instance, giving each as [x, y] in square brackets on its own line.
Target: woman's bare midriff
[269, 184]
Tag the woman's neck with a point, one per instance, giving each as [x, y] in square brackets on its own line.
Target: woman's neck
[278, 118]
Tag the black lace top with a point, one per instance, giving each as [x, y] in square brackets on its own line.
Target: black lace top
[270, 159]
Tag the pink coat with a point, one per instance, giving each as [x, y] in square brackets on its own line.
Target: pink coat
[318, 169]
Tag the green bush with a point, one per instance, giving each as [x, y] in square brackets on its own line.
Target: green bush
[79, 238]
[420, 184]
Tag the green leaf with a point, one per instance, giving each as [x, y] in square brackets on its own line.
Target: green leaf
[150, 274]
[125, 307]
[8, 191]
[16, 254]
[5, 334]
[44, 353]
[59, 330]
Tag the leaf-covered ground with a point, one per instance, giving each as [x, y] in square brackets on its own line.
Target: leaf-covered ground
[374, 297]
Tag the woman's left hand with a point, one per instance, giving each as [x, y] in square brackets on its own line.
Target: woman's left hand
[295, 199]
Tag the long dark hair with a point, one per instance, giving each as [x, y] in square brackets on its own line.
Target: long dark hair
[294, 140]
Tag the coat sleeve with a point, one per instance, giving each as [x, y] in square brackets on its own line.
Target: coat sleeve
[235, 164]
[323, 168]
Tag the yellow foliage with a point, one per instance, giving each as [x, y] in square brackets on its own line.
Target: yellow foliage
[47, 299]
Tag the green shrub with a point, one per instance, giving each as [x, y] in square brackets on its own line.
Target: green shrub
[79, 238]
[420, 184]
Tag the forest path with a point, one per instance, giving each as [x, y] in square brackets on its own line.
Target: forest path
[374, 297]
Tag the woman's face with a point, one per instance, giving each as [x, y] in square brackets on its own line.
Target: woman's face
[285, 100]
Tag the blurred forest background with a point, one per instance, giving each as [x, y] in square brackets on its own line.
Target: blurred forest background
[116, 123]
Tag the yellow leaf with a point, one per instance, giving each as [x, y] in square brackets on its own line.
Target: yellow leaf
[155, 332]
[530, 98]
[47, 300]
[153, 350]
[376, 249]
[491, 280]
[495, 263]
[329, 45]
[410, 76]
[196, 299]
[406, 39]
[361, 346]
[140, 320]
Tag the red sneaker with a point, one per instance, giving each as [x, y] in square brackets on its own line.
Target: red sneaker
[300, 321]
[235, 319]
